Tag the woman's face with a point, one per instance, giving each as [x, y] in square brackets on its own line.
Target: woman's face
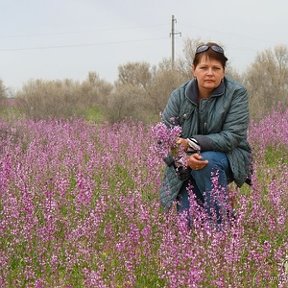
[209, 74]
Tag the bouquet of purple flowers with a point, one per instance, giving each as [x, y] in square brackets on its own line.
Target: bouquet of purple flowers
[165, 139]
[166, 146]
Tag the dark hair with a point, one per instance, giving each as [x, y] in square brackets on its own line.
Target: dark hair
[210, 53]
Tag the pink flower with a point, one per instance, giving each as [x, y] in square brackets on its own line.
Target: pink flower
[164, 138]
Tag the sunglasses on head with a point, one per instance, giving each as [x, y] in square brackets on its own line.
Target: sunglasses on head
[215, 48]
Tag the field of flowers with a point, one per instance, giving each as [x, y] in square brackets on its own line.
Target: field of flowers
[79, 207]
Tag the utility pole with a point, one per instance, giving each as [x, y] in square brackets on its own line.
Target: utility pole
[173, 33]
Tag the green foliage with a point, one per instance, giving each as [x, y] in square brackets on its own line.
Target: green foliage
[275, 156]
[94, 114]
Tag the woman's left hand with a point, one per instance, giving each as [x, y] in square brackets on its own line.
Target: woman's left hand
[195, 162]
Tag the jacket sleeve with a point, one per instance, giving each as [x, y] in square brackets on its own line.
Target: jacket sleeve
[234, 129]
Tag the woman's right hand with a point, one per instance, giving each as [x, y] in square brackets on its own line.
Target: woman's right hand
[183, 143]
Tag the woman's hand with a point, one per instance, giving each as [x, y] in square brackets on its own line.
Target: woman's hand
[183, 143]
[195, 161]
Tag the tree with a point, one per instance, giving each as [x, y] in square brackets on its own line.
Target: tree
[134, 73]
[3, 90]
[164, 81]
[129, 97]
[45, 99]
[65, 98]
[95, 91]
[184, 64]
[125, 102]
[266, 81]
[141, 92]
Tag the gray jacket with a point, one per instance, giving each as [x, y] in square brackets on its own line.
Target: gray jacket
[219, 123]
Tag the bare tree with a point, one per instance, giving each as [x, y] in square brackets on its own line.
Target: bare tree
[141, 92]
[64, 98]
[125, 102]
[164, 81]
[45, 99]
[184, 64]
[266, 80]
[129, 97]
[95, 90]
[134, 73]
[3, 90]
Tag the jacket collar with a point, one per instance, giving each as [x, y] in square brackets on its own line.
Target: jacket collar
[191, 91]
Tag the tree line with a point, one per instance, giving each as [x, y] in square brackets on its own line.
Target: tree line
[141, 90]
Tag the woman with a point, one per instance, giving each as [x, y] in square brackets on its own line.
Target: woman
[213, 113]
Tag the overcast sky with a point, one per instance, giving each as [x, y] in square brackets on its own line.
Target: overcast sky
[58, 39]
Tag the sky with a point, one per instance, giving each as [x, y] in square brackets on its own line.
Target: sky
[67, 39]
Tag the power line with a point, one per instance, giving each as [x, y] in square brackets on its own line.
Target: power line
[81, 32]
[81, 45]
[229, 33]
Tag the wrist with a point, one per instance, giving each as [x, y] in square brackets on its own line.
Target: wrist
[193, 145]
